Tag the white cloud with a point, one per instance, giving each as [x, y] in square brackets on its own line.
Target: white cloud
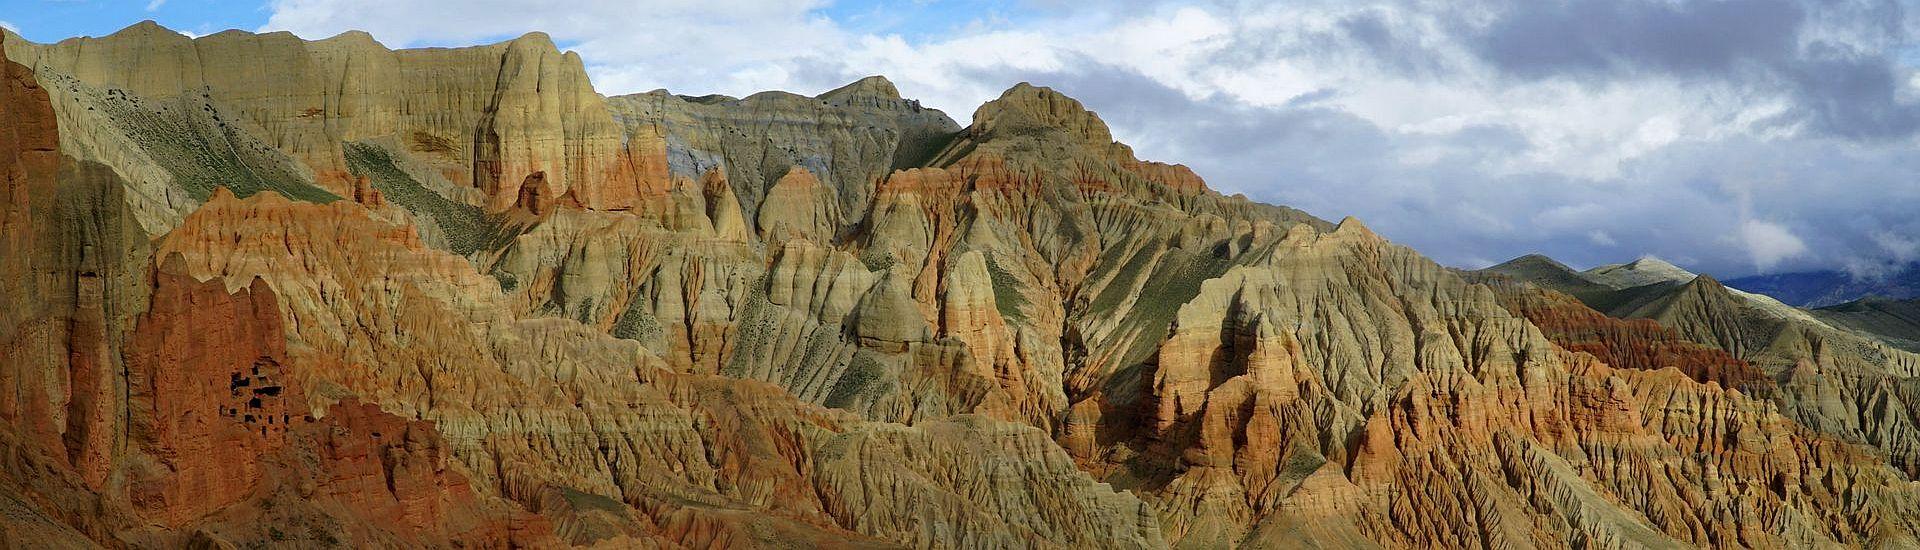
[729, 46]
[1260, 55]
[154, 5]
[1570, 216]
[1386, 109]
[1898, 252]
[1770, 243]
[1899, 248]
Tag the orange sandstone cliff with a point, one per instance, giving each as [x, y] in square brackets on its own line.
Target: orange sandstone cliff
[265, 291]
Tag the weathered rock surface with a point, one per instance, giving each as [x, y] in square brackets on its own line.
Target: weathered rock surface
[262, 291]
[496, 118]
[1840, 383]
[1896, 322]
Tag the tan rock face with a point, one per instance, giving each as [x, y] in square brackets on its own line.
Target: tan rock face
[540, 318]
[1631, 343]
[495, 118]
[847, 139]
[219, 434]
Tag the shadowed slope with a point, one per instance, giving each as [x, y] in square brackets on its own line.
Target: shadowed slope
[549, 318]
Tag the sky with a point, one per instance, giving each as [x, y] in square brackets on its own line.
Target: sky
[1731, 137]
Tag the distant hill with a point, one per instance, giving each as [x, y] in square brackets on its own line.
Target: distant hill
[457, 298]
[1549, 273]
[1814, 289]
[1895, 321]
[1625, 289]
[1644, 271]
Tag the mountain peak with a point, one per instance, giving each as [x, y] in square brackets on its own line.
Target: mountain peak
[354, 37]
[1026, 107]
[875, 86]
[1533, 260]
[1643, 271]
[1547, 272]
[146, 28]
[146, 25]
[1352, 226]
[1653, 262]
[535, 39]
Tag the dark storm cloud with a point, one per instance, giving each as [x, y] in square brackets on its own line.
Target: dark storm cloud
[1852, 97]
[1714, 133]
[1836, 89]
[1600, 37]
[1685, 203]
[1374, 33]
[1830, 171]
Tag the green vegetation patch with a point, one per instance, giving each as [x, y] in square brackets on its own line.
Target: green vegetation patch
[753, 334]
[204, 151]
[581, 500]
[1174, 282]
[1006, 291]
[877, 260]
[1121, 286]
[637, 323]
[467, 228]
[865, 375]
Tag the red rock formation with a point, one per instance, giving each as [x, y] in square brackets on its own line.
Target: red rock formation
[538, 197]
[29, 158]
[1626, 343]
[636, 363]
[206, 394]
[226, 427]
[364, 193]
[399, 473]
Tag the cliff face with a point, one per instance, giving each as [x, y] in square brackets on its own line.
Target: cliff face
[264, 290]
[272, 112]
[1853, 385]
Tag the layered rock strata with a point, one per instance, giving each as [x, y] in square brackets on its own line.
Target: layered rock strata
[331, 294]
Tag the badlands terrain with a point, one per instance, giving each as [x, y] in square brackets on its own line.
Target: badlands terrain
[257, 291]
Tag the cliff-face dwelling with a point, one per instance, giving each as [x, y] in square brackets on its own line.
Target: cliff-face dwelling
[260, 291]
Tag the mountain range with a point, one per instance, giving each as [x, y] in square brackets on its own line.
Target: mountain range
[1830, 288]
[259, 291]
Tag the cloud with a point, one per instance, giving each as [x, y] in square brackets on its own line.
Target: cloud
[1900, 252]
[1595, 131]
[1838, 76]
[154, 5]
[730, 46]
[1587, 37]
[1900, 248]
[1770, 243]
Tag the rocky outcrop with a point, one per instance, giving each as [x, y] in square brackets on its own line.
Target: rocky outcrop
[209, 396]
[1625, 343]
[30, 321]
[607, 407]
[494, 118]
[224, 433]
[1261, 448]
[845, 141]
[544, 318]
[1842, 384]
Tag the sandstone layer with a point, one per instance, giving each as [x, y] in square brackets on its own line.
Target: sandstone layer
[269, 291]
